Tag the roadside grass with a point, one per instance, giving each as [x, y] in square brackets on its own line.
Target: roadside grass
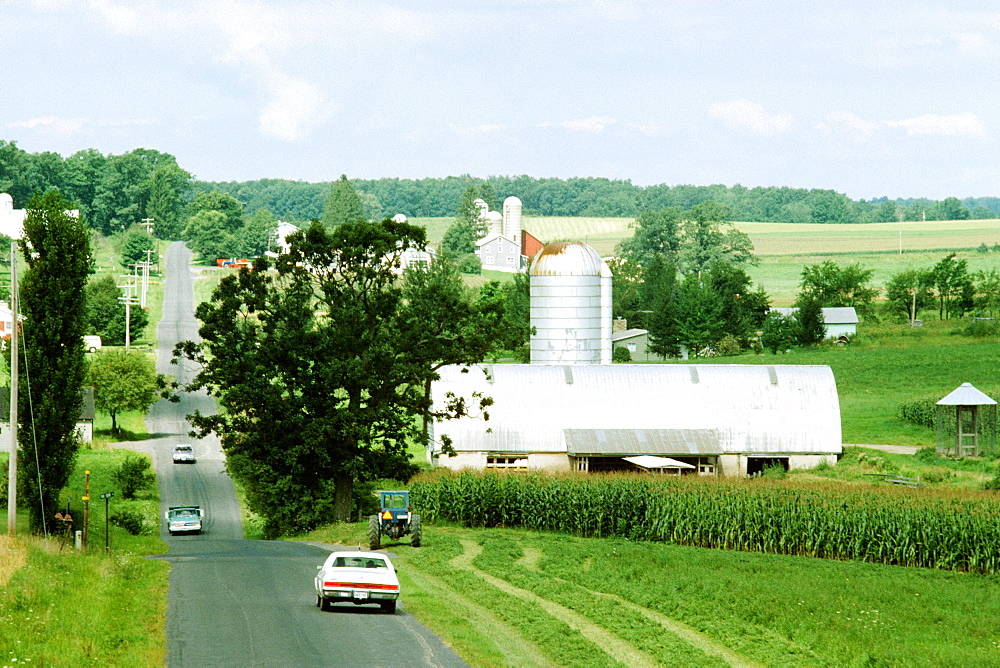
[69, 607]
[675, 604]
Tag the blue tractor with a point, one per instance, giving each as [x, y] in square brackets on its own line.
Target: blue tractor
[395, 519]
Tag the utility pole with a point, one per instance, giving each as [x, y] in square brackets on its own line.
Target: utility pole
[142, 271]
[12, 461]
[128, 300]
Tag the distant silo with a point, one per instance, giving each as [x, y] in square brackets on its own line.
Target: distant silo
[494, 222]
[512, 218]
[569, 287]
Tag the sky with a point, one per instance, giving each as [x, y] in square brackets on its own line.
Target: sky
[894, 98]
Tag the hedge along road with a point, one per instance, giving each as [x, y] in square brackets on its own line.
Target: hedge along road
[236, 602]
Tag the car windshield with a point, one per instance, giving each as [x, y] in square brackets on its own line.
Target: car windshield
[185, 514]
[359, 562]
[183, 448]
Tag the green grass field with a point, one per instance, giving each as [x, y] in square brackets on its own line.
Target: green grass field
[784, 249]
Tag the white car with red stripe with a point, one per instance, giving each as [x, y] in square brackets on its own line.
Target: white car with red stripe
[358, 578]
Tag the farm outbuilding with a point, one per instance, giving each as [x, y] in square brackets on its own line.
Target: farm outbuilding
[838, 321]
[729, 420]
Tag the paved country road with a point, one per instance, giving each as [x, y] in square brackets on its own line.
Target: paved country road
[236, 602]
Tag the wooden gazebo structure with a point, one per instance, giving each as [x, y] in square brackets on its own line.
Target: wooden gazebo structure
[966, 423]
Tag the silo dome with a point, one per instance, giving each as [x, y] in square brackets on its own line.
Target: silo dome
[569, 287]
[6, 202]
[566, 258]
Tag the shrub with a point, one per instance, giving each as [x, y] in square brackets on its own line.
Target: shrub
[130, 520]
[993, 484]
[981, 327]
[621, 355]
[133, 475]
[920, 412]
[728, 346]
[927, 455]
[470, 264]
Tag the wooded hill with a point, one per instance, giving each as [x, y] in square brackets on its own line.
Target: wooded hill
[114, 192]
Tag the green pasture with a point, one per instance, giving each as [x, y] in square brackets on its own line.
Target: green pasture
[784, 249]
[510, 597]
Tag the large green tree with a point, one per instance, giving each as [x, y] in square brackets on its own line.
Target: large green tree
[694, 240]
[460, 238]
[56, 248]
[908, 292]
[320, 366]
[133, 247]
[168, 184]
[954, 286]
[834, 285]
[343, 204]
[123, 380]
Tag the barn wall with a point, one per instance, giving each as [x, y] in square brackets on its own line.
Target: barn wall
[799, 462]
[549, 462]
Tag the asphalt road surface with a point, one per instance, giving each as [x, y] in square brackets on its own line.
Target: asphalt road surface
[236, 602]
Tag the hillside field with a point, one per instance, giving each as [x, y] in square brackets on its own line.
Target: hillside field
[784, 249]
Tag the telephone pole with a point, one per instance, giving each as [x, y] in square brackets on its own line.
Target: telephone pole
[12, 462]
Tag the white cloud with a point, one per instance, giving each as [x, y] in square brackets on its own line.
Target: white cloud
[295, 109]
[750, 117]
[594, 124]
[53, 125]
[960, 125]
[852, 126]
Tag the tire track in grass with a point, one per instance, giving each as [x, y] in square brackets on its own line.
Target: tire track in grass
[531, 558]
[518, 650]
[613, 646]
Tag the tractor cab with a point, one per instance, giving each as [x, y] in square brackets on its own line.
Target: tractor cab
[395, 519]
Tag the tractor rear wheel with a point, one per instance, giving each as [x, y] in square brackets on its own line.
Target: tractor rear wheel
[374, 533]
[415, 531]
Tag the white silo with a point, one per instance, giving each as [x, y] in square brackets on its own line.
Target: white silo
[512, 218]
[568, 292]
[494, 222]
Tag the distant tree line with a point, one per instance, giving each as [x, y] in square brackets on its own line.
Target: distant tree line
[436, 197]
[113, 192]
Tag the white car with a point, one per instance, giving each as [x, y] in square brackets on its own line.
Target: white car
[183, 454]
[358, 578]
[184, 519]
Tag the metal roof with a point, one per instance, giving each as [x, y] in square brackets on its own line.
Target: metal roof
[966, 395]
[628, 334]
[832, 315]
[656, 409]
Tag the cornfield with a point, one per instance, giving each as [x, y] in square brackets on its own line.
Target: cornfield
[926, 528]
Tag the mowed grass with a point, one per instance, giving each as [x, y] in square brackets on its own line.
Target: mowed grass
[508, 597]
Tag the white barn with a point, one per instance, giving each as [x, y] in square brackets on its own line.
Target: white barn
[719, 419]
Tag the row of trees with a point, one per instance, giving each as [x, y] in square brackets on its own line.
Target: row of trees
[298, 201]
[111, 192]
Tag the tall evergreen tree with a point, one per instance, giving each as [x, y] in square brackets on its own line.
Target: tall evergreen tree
[56, 248]
[166, 204]
[811, 328]
[343, 205]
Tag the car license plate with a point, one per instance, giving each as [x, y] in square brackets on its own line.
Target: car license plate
[361, 595]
